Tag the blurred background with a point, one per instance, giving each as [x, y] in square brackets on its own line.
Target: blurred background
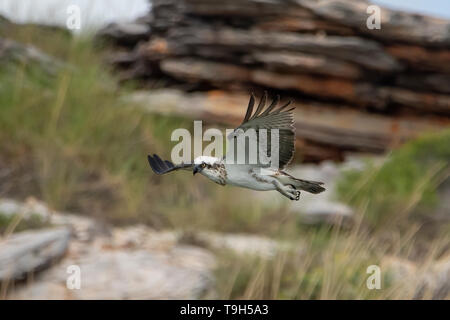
[81, 108]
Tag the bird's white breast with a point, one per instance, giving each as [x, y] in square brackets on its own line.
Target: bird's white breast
[245, 176]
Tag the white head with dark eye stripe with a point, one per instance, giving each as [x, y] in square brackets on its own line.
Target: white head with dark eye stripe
[210, 167]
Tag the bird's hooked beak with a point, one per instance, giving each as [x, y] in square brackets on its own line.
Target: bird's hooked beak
[197, 168]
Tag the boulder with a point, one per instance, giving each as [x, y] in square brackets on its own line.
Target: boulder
[428, 281]
[83, 228]
[243, 244]
[25, 253]
[130, 263]
[357, 89]
[125, 33]
[17, 53]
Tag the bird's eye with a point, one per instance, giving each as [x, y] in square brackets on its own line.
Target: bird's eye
[203, 165]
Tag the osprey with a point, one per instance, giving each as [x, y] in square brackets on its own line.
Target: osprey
[248, 175]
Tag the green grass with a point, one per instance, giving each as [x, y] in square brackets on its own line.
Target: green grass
[34, 221]
[405, 184]
[81, 141]
[331, 267]
[86, 148]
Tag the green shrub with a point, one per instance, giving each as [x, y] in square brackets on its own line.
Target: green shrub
[407, 180]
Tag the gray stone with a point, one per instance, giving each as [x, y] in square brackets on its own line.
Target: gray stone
[428, 281]
[28, 252]
[131, 263]
[243, 244]
[126, 32]
[14, 52]
[83, 228]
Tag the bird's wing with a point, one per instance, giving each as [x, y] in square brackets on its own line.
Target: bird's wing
[164, 166]
[272, 117]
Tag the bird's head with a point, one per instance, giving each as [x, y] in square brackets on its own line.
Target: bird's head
[210, 167]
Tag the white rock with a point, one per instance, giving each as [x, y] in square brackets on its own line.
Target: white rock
[83, 227]
[126, 266]
[244, 244]
[27, 252]
[431, 281]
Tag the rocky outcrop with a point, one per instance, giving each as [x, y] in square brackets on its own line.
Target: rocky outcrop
[109, 272]
[126, 33]
[244, 244]
[140, 263]
[26, 253]
[377, 83]
[12, 52]
[317, 124]
[428, 281]
[133, 262]
[123, 263]
[137, 262]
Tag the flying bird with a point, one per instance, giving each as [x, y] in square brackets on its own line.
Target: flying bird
[249, 175]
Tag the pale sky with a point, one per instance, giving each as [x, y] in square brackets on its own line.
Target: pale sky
[96, 13]
[438, 8]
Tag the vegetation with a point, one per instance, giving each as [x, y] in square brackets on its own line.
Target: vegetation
[72, 140]
[85, 147]
[406, 183]
[16, 223]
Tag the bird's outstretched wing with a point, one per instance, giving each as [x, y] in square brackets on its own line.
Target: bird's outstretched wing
[272, 117]
[164, 166]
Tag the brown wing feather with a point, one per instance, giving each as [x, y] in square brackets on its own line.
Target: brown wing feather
[273, 118]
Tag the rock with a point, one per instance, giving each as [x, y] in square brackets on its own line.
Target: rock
[436, 82]
[143, 237]
[309, 23]
[14, 52]
[308, 63]
[125, 33]
[241, 8]
[194, 70]
[129, 264]
[9, 207]
[28, 252]
[422, 59]
[4, 21]
[328, 212]
[438, 103]
[430, 281]
[396, 25]
[242, 244]
[83, 228]
[357, 92]
[134, 262]
[137, 274]
[441, 212]
[364, 90]
[360, 51]
[343, 128]
[440, 278]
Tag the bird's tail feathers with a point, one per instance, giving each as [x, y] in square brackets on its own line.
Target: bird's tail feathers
[309, 186]
[306, 185]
